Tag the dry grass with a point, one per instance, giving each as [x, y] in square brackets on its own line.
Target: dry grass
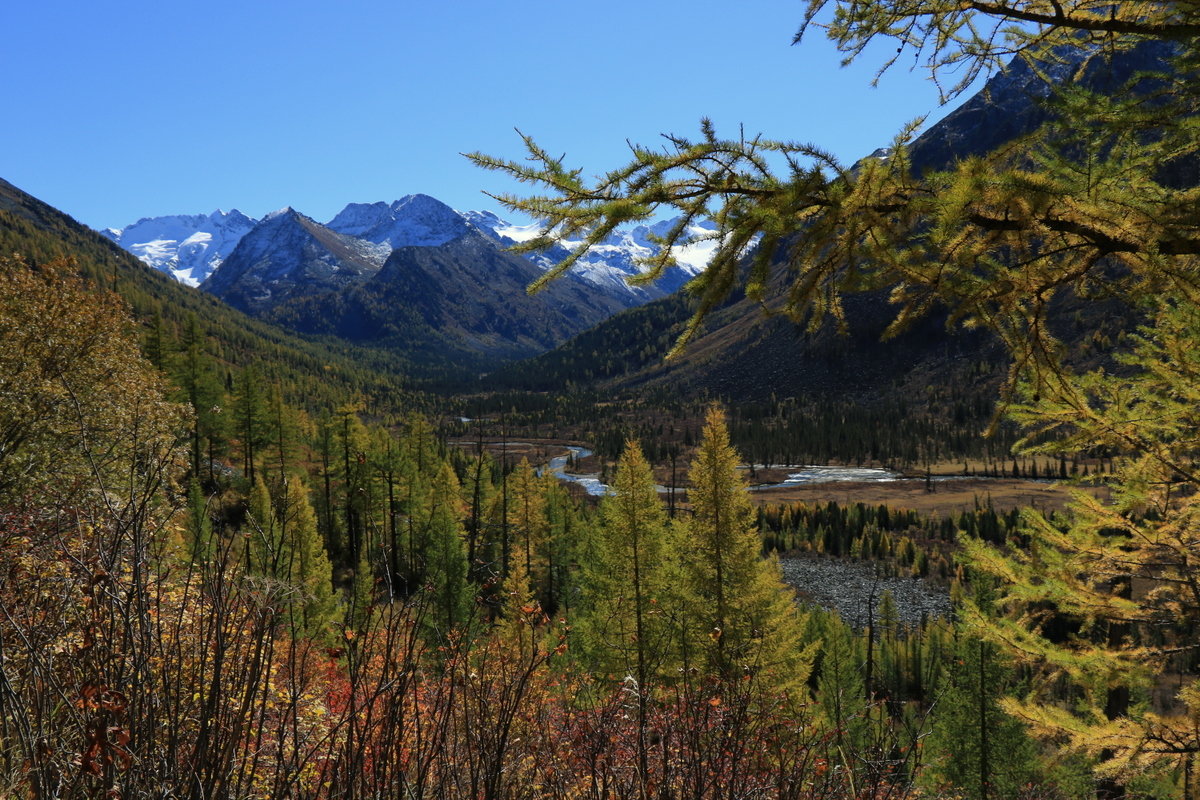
[946, 497]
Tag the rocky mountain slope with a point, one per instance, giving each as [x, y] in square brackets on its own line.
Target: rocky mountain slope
[288, 254]
[190, 248]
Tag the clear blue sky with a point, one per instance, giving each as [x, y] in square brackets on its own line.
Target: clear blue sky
[119, 110]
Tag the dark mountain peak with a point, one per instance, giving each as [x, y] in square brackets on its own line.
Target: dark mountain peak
[289, 253]
[1013, 104]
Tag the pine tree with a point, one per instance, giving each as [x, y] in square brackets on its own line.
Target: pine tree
[308, 565]
[624, 568]
[841, 688]
[445, 559]
[264, 534]
[745, 619]
[527, 524]
[282, 439]
[250, 418]
[197, 378]
[624, 627]
[522, 620]
[353, 444]
[974, 746]
[200, 543]
[480, 489]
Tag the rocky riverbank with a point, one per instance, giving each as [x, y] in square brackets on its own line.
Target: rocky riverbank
[848, 586]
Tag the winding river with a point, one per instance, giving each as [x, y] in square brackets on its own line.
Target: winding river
[590, 482]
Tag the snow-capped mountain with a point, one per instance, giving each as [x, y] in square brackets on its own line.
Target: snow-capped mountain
[423, 221]
[288, 253]
[191, 247]
[188, 247]
[611, 262]
[417, 220]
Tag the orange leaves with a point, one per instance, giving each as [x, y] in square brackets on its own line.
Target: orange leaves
[105, 748]
[94, 697]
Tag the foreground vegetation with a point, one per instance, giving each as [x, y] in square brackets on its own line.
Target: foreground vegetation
[290, 608]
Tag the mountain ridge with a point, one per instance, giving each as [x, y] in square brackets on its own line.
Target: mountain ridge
[191, 249]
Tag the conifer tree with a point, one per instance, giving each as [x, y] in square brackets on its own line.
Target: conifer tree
[250, 418]
[159, 343]
[444, 557]
[390, 465]
[480, 490]
[419, 470]
[527, 524]
[745, 618]
[974, 746]
[624, 573]
[564, 535]
[840, 686]
[521, 617]
[200, 543]
[197, 378]
[283, 435]
[353, 443]
[308, 565]
[264, 547]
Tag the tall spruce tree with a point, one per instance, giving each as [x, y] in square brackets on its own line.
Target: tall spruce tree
[624, 629]
[527, 524]
[745, 619]
[264, 534]
[974, 746]
[308, 566]
[353, 444]
[196, 375]
[841, 688]
[200, 543]
[250, 421]
[445, 560]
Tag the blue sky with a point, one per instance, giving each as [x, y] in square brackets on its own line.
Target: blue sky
[123, 109]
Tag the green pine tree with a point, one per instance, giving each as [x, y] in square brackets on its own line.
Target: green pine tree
[200, 542]
[745, 619]
[974, 746]
[450, 598]
[308, 567]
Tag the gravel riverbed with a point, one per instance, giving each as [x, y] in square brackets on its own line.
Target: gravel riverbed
[847, 586]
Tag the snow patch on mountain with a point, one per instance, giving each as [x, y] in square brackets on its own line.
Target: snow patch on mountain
[417, 220]
[187, 247]
[191, 247]
[610, 262]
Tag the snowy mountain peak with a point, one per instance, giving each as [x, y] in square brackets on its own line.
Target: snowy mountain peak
[285, 212]
[415, 220]
[186, 246]
[192, 247]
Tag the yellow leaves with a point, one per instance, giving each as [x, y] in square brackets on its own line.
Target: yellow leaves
[77, 401]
